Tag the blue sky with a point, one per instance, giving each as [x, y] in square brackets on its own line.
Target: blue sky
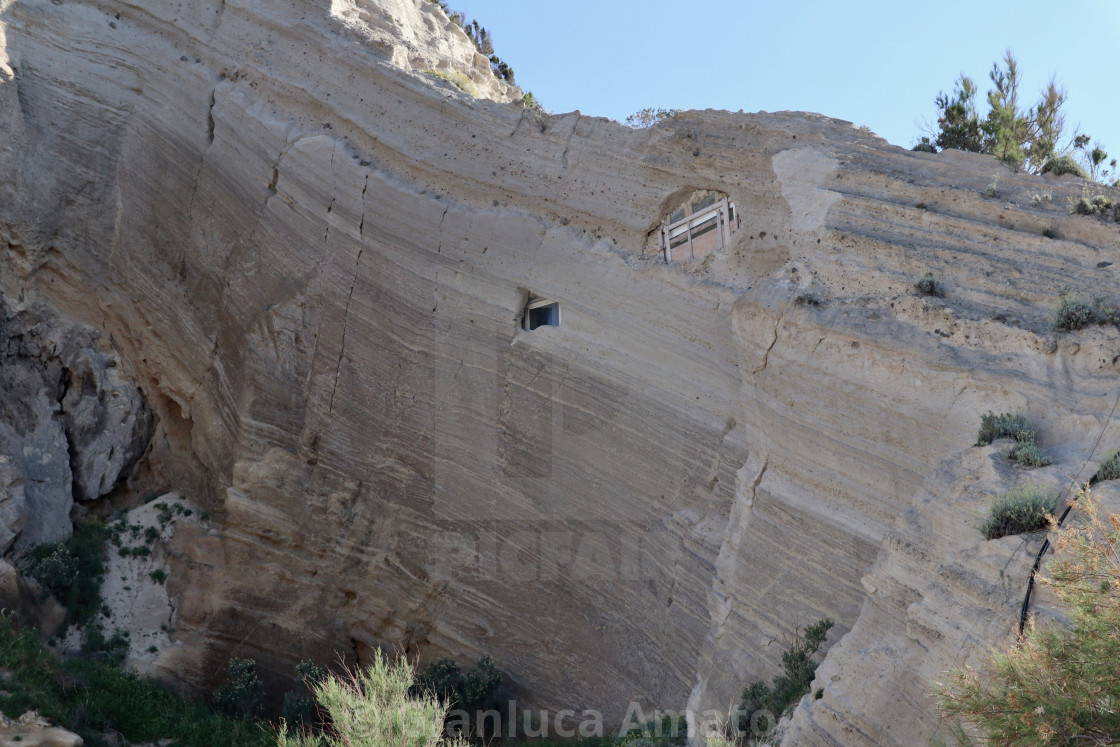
[874, 63]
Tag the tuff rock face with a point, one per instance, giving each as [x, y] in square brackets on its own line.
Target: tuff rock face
[315, 264]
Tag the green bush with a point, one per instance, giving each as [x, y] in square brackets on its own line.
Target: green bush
[374, 707]
[241, 695]
[1073, 312]
[925, 146]
[1027, 453]
[1020, 510]
[113, 649]
[789, 687]
[1064, 165]
[928, 285]
[72, 571]
[1109, 469]
[1005, 425]
[300, 712]
[475, 691]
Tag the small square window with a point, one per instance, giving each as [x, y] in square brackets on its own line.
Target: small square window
[542, 313]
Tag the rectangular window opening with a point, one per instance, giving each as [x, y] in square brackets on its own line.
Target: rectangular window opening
[542, 313]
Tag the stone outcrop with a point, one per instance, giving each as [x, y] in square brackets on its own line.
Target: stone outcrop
[32, 730]
[315, 263]
[70, 426]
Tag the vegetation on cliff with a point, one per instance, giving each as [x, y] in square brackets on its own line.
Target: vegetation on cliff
[1030, 138]
[1058, 684]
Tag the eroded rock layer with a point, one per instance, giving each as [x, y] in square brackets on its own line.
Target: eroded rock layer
[316, 265]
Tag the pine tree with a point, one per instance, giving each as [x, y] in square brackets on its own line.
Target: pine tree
[959, 124]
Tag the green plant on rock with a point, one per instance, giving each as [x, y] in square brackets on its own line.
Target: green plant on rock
[798, 670]
[1027, 453]
[1058, 684]
[1005, 425]
[928, 285]
[1073, 312]
[114, 649]
[243, 692]
[1025, 509]
[458, 79]
[1064, 165]
[73, 570]
[1109, 469]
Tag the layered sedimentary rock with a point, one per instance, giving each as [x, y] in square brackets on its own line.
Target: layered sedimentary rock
[315, 264]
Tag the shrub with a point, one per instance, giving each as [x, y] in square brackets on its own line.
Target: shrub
[113, 649]
[1109, 469]
[73, 570]
[242, 694]
[925, 146]
[458, 79]
[1097, 205]
[1058, 684]
[299, 703]
[1049, 233]
[789, 687]
[928, 285]
[1005, 425]
[1021, 510]
[159, 576]
[374, 707]
[477, 690]
[529, 101]
[1027, 453]
[1073, 312]
[649, 116]
[1064, 165]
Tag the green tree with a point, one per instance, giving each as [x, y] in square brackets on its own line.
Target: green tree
[1059, 684]
[958, 122]
[1026, 138]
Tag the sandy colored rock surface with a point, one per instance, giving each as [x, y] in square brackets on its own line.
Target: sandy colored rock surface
[314, 263]
[31, 729]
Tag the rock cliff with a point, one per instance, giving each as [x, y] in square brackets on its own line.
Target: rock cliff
[313, 260]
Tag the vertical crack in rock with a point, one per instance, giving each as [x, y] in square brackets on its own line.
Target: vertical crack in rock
[568, 145]
[773, 341]
[439, 247]
[517, 126]
[362, 221]
[210, 117]
[345, 323]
